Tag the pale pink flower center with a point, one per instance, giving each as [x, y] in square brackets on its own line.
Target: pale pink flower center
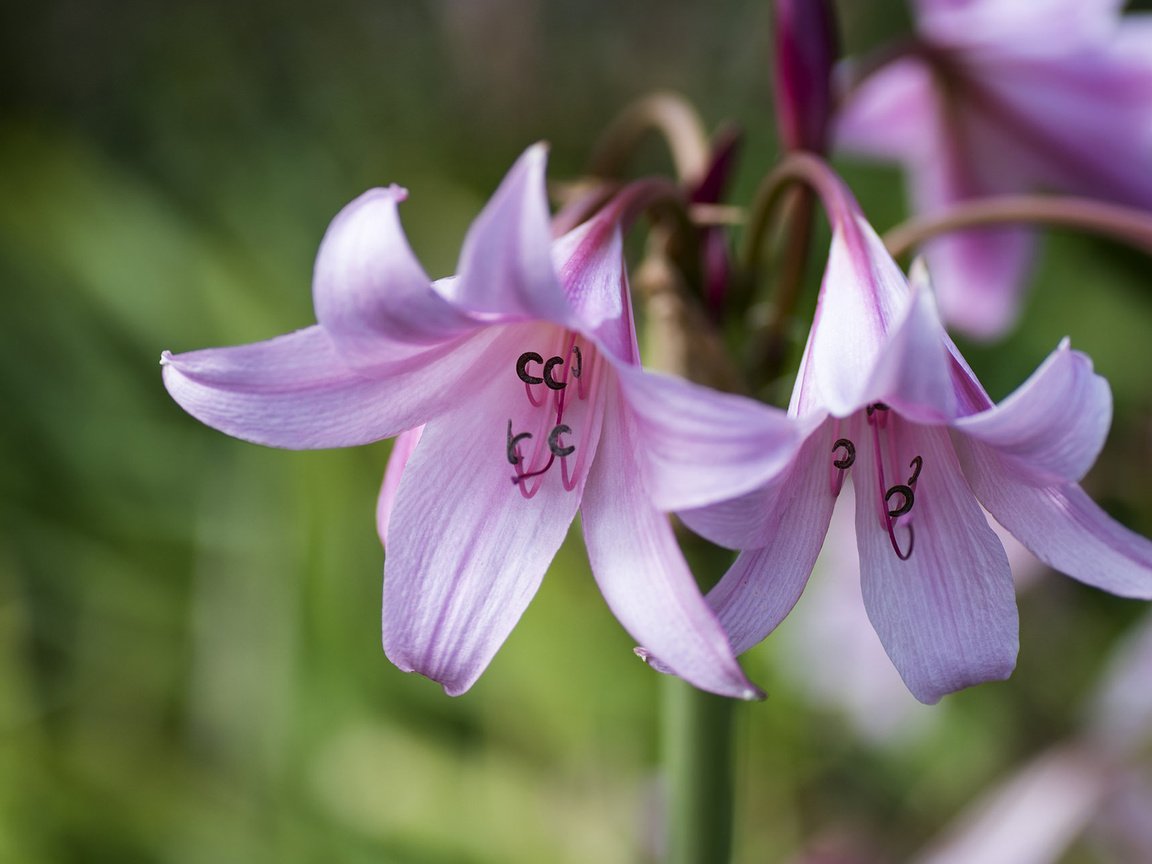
[551, 380]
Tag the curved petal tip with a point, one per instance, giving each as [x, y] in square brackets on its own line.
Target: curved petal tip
[747, 691]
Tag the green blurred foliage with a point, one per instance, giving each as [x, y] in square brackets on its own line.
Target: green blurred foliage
[190, 667]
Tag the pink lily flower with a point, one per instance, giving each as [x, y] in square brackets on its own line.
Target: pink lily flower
[1002, 97]
[523, 374]
[886, 399]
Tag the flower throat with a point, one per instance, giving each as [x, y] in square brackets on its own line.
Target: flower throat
[898, 499]
[549, 384]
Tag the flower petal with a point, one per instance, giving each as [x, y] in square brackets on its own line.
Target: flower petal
[590, 262]
[1018, 26]
[370, 292]
[978, 274]
[947, 614]
[1032, 817]
[891, 114]
[505, 264]
[1062, 526]
[402, 449]
[296, 391]
[862, 297]
[914, 374]
[697, 446]
[761, 588]
[466, 549]
[641, 571]
[1084, 120]
[1055, 424]
[899, 112]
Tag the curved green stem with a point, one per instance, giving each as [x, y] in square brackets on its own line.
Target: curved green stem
[670, 115]
[1125, 224]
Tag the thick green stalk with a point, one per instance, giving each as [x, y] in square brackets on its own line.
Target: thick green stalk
[697, 748]
[697, 752]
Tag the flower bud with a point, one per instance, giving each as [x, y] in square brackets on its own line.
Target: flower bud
[806, 47]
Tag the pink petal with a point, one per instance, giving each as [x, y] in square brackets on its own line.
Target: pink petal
[695, 445]
[1062, 526]
[831, 652]
[590, 262]
[1018, 26]
[505, 264]
[891, 114]
[979, 277]
[1032, 818]
[296, 391]
[641, 571]
[1055, 424]
[913, 374]
[764, 584]
[951, 155]
[402, 449]
[371, 293]
[863, 297]
[467, 550]
[978, 274]
[1083, 121]
[947, 614]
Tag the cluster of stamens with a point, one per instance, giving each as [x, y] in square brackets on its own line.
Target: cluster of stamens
[555, 374]
[844, 453]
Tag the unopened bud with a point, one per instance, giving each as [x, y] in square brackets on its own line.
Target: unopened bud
[806, 48]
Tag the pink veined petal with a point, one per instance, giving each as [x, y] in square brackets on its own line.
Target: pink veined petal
[891, 114]
[1060, 524]
[978, 274]
[1019, 26]
[590, 262]
[296, 391]
[695, 445]
[834, 656]
[370, 292]
[1054, 425]
[1082, 121]
[402, 449]
[862, 297]
[467, 550]
[642, 573]
[505, 264]
[1030, 819]
[914, 375]
[761, 588]
[947, 614]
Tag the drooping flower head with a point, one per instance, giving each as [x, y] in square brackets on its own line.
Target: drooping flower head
[518, 389]
[885, 399]
[1002, 97]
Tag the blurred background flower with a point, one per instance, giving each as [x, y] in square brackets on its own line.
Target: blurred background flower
[190, 662]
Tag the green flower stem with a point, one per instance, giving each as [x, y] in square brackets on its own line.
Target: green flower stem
[697, 747]
[697, 751]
